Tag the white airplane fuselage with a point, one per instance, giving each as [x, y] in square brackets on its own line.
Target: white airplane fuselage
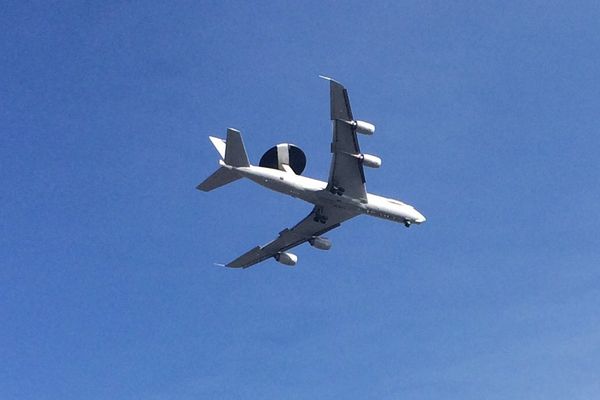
[314, 191]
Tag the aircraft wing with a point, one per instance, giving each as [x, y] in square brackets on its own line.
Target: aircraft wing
[288, 238]
[346, 171]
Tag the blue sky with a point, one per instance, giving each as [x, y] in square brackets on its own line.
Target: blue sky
[487, 120]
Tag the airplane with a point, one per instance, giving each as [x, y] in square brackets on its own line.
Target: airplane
[342, 197]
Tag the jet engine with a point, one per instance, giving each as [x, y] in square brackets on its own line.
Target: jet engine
[370, 161]
[367, 160]
[321, 243]
[286, 258]
[284, 153]
[366, 128]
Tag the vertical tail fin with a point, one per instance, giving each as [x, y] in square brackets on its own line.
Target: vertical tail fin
[235, 152]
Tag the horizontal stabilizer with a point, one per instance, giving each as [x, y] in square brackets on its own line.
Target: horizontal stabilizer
[220, 177]
[219, 145]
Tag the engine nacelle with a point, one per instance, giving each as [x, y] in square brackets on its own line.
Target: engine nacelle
[321, 243]
[363, 127]
[370, 161]
[286, 258]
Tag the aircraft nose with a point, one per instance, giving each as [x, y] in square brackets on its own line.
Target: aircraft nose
[419, 218]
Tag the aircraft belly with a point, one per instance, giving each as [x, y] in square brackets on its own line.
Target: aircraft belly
[283, 184]
[390, 212]
[325, 197]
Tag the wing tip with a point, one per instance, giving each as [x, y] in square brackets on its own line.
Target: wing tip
[247, 259]
[333, 81]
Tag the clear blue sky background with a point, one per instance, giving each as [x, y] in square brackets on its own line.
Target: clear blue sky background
[487, 118]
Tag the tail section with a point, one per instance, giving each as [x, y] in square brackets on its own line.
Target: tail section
[219, 145]
[220, 177]
[234, 154]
